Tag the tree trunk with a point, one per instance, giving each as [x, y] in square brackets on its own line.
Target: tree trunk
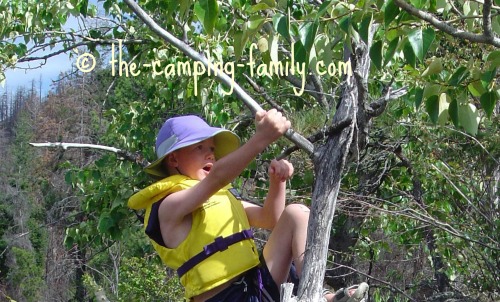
[329, 162]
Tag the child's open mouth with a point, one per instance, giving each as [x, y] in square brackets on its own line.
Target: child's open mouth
[208, 167]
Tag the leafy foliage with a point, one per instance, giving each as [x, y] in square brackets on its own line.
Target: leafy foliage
[27, 275]
[143, 280]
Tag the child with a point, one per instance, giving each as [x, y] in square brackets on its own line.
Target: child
[200, 228]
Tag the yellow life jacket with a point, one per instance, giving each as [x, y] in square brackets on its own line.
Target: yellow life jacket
[221, 215]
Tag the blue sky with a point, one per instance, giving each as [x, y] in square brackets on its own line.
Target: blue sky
[49, 72]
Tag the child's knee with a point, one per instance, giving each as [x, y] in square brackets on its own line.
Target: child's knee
[297, 212]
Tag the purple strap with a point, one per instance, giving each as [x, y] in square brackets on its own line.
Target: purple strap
[261, 285]
[220, 243]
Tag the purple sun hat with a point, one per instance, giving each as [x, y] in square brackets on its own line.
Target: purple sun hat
[183, 131]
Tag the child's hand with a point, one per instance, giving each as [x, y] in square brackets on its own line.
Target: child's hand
[280, 170]
[271, 124]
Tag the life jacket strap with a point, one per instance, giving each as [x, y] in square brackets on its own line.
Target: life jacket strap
[220, 244]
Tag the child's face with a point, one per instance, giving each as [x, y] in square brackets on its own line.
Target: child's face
[195, 161]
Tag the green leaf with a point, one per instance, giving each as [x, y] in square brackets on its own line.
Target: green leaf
[435, 67]
[458, 76]
[469, 118]
[476, 88]
[418, 3]
[345, 24]
[444, 104]
[259, 6]
[416, 41]
[323, 8]
[83, 7]
[323, 48]
[21, 49]
[391, 12]
[432, 108]
[419, 92]
[354, 34]
[495, 24]
[376, 54]
[206, 11]
[95, 33]
[300, 53]
[280, 23]
[184, 7]
[409, 54]
[431, 89]
[107, 5]
[307, 34]
[254, 22]
[273, 51]
[105, 222]
[494, 57]
[432, 6]
[453, 112]
[391, 50]
[466, 8]
[488, 101]
[421, 41]
[364, 27]
[429, 35]
[488, 76]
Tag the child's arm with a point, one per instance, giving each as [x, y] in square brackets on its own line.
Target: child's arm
[267, 216]
[175, 207]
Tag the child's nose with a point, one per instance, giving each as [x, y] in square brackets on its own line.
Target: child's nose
[211, 155]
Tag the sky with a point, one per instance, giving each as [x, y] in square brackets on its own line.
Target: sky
[49, 72]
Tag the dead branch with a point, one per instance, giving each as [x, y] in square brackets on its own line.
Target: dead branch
[486, 38]
[133, 157]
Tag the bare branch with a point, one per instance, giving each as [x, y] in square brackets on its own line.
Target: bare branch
[78, 44]
[264, 94]
[463, 195]
[377, 107]
[424, 217]
[388, 284]
[320, 96]
[296, 82]
[65, 146]
[133, 157]
[222, 77]
[332, 130]
[477, 142]
[443, 26]
[487, 19]
[455, 10]
[460, 19]
[316, 90]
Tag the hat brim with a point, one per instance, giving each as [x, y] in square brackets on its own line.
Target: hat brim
[225, 142]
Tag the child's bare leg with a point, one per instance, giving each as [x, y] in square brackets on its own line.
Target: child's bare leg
[287, 242]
